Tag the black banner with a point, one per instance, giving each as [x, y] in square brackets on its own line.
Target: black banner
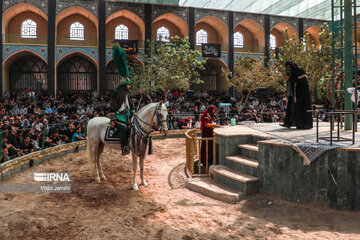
[130, 46]
[211, 50]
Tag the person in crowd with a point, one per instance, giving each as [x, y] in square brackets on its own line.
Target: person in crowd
[26, 146]
[13, 151]
[55, 138]
[78, 136]
[184, 124]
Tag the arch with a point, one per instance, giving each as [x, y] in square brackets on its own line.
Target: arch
[212, 76]
[14, 17]
[176, 25]
[19, 8]
[254, 35]
[133, 21]
[77, 12]
[314, 32]
[13, 58]
[76, 72]
[217, 30]
[279, 28]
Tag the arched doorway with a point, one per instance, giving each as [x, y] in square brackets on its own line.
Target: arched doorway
[213, 79]
[77, 74]
[28, 72]
[209, 76]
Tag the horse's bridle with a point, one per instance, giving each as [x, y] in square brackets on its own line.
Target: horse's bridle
[156, 112]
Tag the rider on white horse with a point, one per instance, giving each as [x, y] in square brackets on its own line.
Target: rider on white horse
[121, 102]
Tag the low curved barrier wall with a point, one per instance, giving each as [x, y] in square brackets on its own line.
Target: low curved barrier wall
[15, 165]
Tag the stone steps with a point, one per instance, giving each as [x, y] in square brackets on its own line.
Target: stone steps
[239, 181]
[208, 187]
[243, 165]
[249, 151]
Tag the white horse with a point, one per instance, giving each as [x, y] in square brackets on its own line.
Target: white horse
[153, 114]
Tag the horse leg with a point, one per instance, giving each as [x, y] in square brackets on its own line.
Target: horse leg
[134, 158]
[142, 160]
[100, 150]
[96, 161]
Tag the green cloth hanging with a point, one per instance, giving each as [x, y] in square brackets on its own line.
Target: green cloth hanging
[119, 57]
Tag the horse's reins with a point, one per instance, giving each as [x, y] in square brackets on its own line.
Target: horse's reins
[157, 120]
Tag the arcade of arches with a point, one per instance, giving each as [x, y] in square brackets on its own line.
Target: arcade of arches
[80, 73]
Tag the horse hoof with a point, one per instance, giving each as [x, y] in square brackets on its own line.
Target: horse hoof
[97, 180]
[135, 188]
[103, 178]
[144, 184]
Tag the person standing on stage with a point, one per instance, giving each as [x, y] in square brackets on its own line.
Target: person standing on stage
[290, 115]
[301, 97]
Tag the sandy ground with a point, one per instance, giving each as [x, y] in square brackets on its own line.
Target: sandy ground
[163, 210]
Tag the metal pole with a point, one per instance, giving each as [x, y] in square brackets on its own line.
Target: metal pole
[348, 60]
[356, 68]
[1, 136]
[333, 63]
[43, 138]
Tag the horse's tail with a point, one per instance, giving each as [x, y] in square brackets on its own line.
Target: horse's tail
[90, 154]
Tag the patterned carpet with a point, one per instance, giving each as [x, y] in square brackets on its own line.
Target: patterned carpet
[304, 141]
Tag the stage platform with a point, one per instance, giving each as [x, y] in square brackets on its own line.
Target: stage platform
[285, 135]
[289, 163]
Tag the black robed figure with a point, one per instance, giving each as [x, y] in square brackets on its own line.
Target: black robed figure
[299, 99]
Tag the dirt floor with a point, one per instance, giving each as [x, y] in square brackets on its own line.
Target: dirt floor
[163, 210]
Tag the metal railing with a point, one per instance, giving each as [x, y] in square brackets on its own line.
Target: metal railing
[18, 39]
[67, 41]
[193, 152]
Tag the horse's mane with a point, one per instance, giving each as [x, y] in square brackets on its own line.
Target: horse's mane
[146, 107]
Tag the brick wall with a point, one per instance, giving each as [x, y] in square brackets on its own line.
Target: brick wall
[63, 28]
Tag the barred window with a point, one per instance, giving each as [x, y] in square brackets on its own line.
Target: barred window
[163, 34]
[238, 40]
[272, 42]
[28, 29]
[122, 32]
[201, 37]
[77, 31]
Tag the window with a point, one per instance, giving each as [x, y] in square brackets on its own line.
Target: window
[28, 29]
[272, 42]
[201, 37]
[163, 34]
[122, 32]
[76, 31]
[238, 40]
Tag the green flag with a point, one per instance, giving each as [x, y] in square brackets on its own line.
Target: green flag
[120, 61]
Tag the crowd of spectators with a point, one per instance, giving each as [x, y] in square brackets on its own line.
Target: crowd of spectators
[24, 115]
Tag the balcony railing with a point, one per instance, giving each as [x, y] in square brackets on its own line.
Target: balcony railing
[17, 39]
[110, 44]
[250, 48]
[66, 41]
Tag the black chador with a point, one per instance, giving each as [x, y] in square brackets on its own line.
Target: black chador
[301, 97]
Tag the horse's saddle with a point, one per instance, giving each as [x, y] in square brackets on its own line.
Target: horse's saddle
[116, 133]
